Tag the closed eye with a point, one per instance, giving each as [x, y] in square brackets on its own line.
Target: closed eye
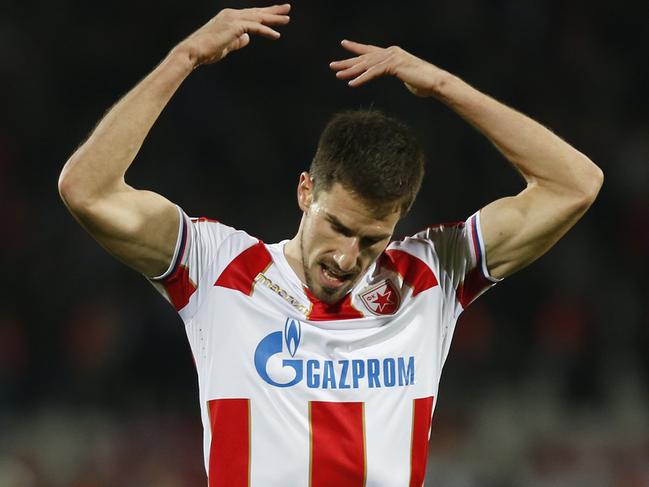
[368, 242]
[342, 230]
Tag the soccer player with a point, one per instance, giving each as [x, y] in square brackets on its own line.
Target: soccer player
[319, 357]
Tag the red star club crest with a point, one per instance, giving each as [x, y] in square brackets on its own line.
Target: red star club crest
[382, 299]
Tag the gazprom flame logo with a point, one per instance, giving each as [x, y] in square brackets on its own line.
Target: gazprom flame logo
[289, 370]
[292, 335]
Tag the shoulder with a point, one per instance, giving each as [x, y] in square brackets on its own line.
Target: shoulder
[211, 234]
[429, 239]
[207, 244]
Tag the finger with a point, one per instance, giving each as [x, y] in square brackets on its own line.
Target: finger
[272, 19]
[239, 43]
[361, 63]
[358, 48]
[243, 41]
[344, 63]
[260, 29]
[374, 72]
[264, 17]
[353, 71]
[275, 9]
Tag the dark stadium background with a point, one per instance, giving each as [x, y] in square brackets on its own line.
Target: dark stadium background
[547, 380]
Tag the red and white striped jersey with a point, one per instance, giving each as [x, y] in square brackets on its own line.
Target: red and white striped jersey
[296, 392]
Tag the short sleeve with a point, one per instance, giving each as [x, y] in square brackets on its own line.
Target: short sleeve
[456, 254]
[204, 247]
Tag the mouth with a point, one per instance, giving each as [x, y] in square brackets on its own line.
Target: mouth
[333, 279]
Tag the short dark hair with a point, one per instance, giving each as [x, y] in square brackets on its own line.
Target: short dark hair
[375, 156]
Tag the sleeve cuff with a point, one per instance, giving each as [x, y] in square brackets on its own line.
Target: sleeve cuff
[477, 242]
[179, 250]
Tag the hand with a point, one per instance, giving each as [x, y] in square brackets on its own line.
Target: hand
[419, 76]
[230, 30]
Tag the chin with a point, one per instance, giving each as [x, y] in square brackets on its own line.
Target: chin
[323, 293]
[330, 296]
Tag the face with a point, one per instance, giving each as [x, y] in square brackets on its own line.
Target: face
[341, 235]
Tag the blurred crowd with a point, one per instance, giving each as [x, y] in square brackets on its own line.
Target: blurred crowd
[547, 380]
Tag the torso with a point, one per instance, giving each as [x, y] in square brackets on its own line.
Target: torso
[294, 392]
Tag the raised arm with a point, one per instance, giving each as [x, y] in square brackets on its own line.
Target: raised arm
[562, 183]
[140, 227]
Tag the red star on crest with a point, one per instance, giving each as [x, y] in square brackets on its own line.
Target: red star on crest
[382, 300]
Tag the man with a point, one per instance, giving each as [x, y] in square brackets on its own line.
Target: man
[319, 358]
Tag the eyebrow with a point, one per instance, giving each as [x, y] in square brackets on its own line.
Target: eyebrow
[349, 231]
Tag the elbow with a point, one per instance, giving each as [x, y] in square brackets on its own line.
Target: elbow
[594, 182]
[82, 190]
[591, 182]
[73, 190]
[68, 189]
[64, 187]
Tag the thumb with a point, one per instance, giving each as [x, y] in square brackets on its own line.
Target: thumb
[242, 41]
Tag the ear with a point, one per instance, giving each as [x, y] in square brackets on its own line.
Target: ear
[305, 191]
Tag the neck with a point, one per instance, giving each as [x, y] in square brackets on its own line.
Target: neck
[293, 254]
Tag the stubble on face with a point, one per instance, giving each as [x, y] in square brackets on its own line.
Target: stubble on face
[324, 294]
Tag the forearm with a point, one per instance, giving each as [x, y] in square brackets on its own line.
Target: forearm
[99, 164]
[542, 158]
[141, 227]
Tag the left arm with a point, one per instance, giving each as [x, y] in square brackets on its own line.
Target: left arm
[562, 182]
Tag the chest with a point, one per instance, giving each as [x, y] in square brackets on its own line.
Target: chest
[245, 344]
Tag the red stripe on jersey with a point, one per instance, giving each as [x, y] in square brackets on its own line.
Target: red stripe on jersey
[321, 311]
[337, 444]
[204, 219]
[422, 413]
[230, 448]
[241, 272]
[179, 287]
[414, 271]
[474, 284]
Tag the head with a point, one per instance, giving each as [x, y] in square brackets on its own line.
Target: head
[364, 177]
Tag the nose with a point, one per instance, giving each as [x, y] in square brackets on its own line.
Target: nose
[347, 254]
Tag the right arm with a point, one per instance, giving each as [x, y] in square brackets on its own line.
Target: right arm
[140, 227]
